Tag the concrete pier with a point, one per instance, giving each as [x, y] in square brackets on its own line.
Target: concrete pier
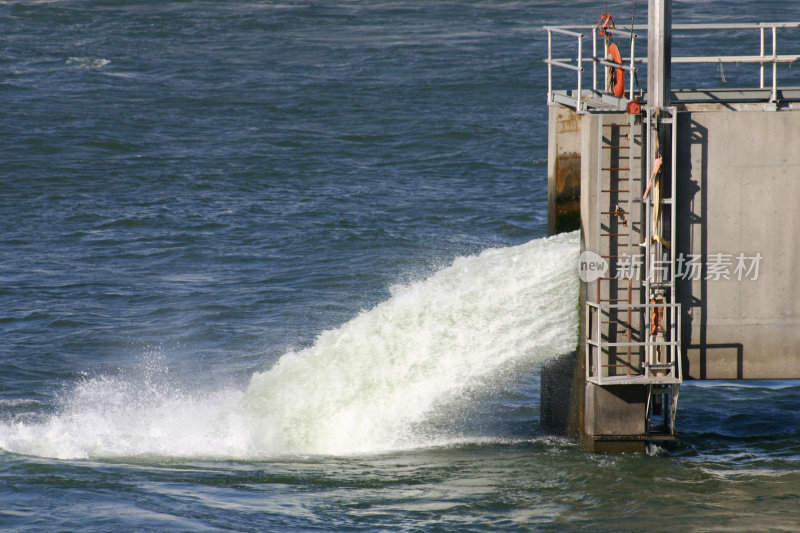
[738, 181]
[682, 197]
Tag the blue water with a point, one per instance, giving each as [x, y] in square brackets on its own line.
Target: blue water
[273, 267]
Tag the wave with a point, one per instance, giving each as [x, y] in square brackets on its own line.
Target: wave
[367, 386]
[87, 63]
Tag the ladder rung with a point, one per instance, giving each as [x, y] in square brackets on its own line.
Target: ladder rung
[614, 125]
[615, 169]
[615, 234]
[616, 147]
[615, 190]
[626, 331]
[664, 201]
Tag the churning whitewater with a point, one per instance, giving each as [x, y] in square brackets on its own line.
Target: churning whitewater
[364, 387]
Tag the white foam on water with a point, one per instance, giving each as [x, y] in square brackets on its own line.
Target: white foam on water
[363, 387]
[87, 63]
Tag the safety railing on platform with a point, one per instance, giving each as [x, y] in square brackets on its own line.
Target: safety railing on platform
[655, 359]
[764, 58]
[576, 64]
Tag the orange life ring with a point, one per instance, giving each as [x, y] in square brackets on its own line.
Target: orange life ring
[617, 75]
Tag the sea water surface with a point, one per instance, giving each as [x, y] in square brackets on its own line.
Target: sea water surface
[283, 267]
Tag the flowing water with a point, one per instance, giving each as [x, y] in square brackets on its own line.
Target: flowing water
[282, 267]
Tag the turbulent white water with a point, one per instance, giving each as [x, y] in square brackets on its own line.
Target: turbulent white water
[363, 387]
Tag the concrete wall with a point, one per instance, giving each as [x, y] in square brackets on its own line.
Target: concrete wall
[563, 169]
[558, 387]
[738, 192]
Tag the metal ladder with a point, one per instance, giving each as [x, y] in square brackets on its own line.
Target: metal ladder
[663, 362]
[616, 236]
[659, 284]
[626, 343]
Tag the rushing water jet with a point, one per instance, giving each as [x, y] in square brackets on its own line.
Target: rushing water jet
[360, 388]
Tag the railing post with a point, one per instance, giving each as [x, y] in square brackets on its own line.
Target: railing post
[678, 355]
[774, 97]
[589, 344]
[762, 57]
[633, 65]
[578, 101]
[599, 354]
[594, 59]
[549, 66]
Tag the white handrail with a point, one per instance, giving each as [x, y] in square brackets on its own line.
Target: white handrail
[564, 62]
[595, 340]
[576, 64]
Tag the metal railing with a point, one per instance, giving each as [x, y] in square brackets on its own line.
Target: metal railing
[763, 58]
[576, 64]
[657, 359]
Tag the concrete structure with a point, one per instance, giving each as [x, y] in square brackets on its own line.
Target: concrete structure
[739, 185]
[688, 260]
